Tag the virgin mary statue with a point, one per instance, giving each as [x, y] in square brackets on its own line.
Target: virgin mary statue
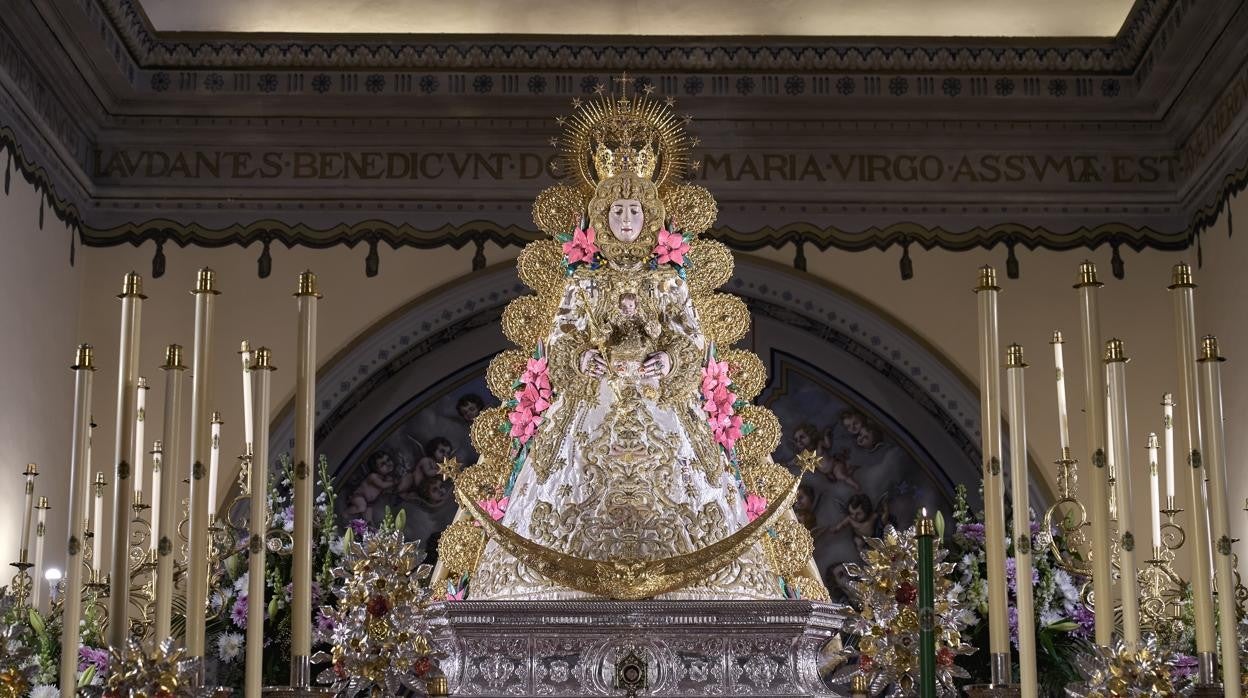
[626, 461]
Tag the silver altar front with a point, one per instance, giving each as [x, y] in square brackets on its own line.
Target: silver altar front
[689, 648]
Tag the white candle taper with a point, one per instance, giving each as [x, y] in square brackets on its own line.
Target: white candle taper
[1017, 411]
[140, 445]
[1116, 378]
[123, 456]
[97, 527]
[249, 426]
[1154, 492]
[28, 511]
[1063, 418]
[262, 369]
[79, 471]
[172, 470]
[157, 466]
[1214, 449]
[1167, 417]
[41, 529]
[214, 465]
[308, 298]
[197, 564]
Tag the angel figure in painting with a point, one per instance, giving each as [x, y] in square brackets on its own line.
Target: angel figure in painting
[626, 460]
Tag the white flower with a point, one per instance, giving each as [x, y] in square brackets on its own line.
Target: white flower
[229, 646]
[1070, 593]
[1050, 616]
[335, 546]
[241, 583]
[45, 691]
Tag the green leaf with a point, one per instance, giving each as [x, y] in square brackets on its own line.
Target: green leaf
[1064, 626]
[36, 623]
[400, 520]
[85, 679]
[940, 525]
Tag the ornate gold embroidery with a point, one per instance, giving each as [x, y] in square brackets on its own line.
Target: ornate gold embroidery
[527, 319]
[482, 480]
[765, 438]
[460, 548]
[505, 369]
[540, 266]
[692, 207]
[710, 266]
[558, 209]
[488, 436]
[765, 478]
[682, 384]
[565, 373]
[747, 372]
[724, 318]
[789, 549]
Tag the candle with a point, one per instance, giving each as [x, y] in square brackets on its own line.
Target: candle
[1063, 418]
[41, 528]
[1094, 396]
[140, 420]
[926, 530]
[79, 468]
[1154, 493]
[1116, 378]
[170, 476]
[1183, 289]
[259, 523]
[1019, 481]
[1214, 443]
[1167, 423]
[32, 471]
[994, 486]
[123, 460]
[157, 485]
[214, 465]
[197, 562]
[97, 550]
[244, 352]
[305, 434]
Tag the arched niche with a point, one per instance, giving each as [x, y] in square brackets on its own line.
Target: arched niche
[838, 369]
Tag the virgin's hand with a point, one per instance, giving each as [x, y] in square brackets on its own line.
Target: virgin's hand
[657, 364]
[592, 363]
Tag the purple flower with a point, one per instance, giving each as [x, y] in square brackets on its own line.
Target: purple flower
[1013, 618]
[1183, 666]
[359, 527]
[1086, 620]
[289, 591]
[239, 613]
[973, 532]
[1011, 571]
[90, 656]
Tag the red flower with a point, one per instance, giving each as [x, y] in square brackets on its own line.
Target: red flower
[944, 656]
[422, 667]
[378, 605]
[906, 593]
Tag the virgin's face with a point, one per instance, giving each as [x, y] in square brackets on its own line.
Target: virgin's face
[625, 219]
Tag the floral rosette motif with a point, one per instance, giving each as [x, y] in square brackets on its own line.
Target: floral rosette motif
[580, 247]
[1119, 671]
[671, 249]
[531, 398]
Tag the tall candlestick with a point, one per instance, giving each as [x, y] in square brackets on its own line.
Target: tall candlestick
[171, 474]
[1183, 291]
[262, 369]
[41, 529]
[1063, 418]
[1116, 378]
[28, 511]
[305, 458]
[97, 562]
[140, 423]
[84, 368]
[1167, 423]
[214, 465]
[123, 454]
[1017, 414]
[158, 455]
[249, 426]
[1094, 395]
[1214, 445]
[197, 564]
[1154, 492]
[926, 530]
[994, 486]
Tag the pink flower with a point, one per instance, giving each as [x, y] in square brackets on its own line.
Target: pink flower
[715, 375]
[671, 248]
[581, 247]
[727, 429]
[532, 400]
[496, 508]
[456, 594]
[536, 372]
[523, 424]
[755, 506]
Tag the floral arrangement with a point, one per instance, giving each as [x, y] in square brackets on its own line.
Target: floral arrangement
[580, 248]
[532, 397]
[226, 628]
[383, 623]
[671, 249]
[886, 623]
[720, 403]
[1064, 624]
[1119, 672]
[30, 648]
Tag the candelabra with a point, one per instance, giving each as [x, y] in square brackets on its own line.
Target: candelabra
[1161, 588]
[1068, 516]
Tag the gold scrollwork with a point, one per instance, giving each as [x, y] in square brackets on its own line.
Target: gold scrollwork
[724, 318]
[766, 478]
[540, 266]
[748, 374]
[460, 548]
[527, 319]
[558, 209]
[692, 207]
[487, 434]
[710, 266]
[505, 369]
[629, 580]
[482, 480]
[790, 548]
[764, 438]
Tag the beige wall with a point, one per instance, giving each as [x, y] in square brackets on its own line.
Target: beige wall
[937, 305]
[39, 301]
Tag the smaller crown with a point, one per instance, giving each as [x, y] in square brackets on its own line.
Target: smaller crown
[608, 163]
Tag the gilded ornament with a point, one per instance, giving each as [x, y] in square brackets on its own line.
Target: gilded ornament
[766, 478]
[764, 439]
[710, 266]
[724, 318]
[607, 137]
[527, 319]
[540, 266]
[460, 548]
[482, 480]
[691, 207]
[558, 209]
[789, 547]
[747, 372]
[488, 434]
[505, 369]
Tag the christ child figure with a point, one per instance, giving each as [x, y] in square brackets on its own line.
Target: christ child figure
[630, 334]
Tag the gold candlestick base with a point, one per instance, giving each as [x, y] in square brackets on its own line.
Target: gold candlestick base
[22, 585]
